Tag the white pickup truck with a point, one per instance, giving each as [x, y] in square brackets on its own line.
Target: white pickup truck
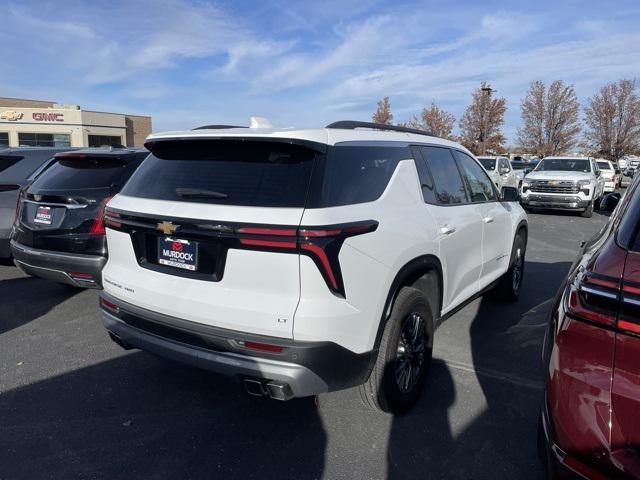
[564, 183]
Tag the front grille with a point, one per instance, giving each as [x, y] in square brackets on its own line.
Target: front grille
[554, 187]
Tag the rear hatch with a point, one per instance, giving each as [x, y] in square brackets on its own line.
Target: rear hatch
[62, 209]
[205, 231]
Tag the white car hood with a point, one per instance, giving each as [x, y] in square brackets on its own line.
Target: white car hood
[559, 175]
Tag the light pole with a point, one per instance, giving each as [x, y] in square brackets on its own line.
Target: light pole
[487, 91]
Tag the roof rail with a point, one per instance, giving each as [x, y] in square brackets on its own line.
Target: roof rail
[353, 124]
[218, 127]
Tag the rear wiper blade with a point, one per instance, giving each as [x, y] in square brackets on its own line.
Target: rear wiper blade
[199, 193]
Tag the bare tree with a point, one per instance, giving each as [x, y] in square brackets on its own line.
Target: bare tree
[383, 112]
[550, 123]
[481, 124]
[613, 120]
[433, 119]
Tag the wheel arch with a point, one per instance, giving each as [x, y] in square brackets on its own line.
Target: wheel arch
[423, 273]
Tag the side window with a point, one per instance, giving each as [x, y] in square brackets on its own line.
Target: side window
[448, 186]
[426, 181]
[476, 178]
[357, 174]
[504, 164]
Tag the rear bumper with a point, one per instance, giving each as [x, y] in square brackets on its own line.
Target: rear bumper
[307, 368]
[58, 266]
[557, 202]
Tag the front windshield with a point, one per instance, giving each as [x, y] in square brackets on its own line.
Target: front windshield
[564, 165]
[488, 163]
[604, 165]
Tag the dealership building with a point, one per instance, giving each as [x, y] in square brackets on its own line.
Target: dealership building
[49, 124]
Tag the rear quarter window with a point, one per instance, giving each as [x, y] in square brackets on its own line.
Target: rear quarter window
[352, 174]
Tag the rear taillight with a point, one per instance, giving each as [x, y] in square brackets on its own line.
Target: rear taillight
[605, 301]
[97, 228]
[321, 244]
[594, 298]
[16, 220]
[629, 317]
[110, 218]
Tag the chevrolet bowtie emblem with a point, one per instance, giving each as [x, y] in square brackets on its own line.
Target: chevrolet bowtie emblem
[167, 227]
[553, 183]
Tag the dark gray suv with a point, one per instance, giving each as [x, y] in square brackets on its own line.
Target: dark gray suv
[19, 166]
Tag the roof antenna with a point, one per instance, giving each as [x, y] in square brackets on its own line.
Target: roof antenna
[260, 122]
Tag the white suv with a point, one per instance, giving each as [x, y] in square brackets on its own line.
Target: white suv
[305, 261]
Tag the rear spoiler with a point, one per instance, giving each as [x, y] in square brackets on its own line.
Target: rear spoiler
[124, 156]
[317, 146]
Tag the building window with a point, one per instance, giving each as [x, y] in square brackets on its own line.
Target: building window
[44, 139]
[105, 140]
[4, 139]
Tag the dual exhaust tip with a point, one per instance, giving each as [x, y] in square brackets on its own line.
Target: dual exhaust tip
[268, 388]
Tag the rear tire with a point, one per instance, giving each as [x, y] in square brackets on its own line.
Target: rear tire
[510, 284]
[404, 355]
[588, 212]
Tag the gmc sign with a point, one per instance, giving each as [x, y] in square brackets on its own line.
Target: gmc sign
[48, 117]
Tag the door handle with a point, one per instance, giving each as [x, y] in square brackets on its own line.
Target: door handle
[447, 230]
[487, 219]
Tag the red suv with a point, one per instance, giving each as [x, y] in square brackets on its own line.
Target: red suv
[590, 423]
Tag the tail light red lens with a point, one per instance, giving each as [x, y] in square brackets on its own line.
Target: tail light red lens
[594, 298]
[110, 218]
[109, 305]
[19, 206]
[321, 244]
[97, 228]
[629, 318]
[605, 301]
[263, 347]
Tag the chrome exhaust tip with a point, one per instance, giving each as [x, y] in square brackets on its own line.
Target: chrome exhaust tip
[119, 341]
[254, 387]
[279, 391]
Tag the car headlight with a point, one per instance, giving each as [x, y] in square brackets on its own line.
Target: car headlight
[583, 183]
[526, 184]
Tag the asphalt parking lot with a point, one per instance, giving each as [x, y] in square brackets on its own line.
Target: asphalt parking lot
[74, 405]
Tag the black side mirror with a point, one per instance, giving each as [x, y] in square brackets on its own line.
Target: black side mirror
[610, 201]
[509, 194]
[617, 171]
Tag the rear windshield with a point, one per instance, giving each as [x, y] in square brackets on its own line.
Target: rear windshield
[80, 174]
[564, 165]
[249, 173]
[604, 165]
[488, 163]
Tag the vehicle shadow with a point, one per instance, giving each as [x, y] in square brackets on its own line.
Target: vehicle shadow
[36, 297]
[435, 441]
[138, 416]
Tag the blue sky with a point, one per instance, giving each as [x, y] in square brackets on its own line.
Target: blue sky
[189, 63]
